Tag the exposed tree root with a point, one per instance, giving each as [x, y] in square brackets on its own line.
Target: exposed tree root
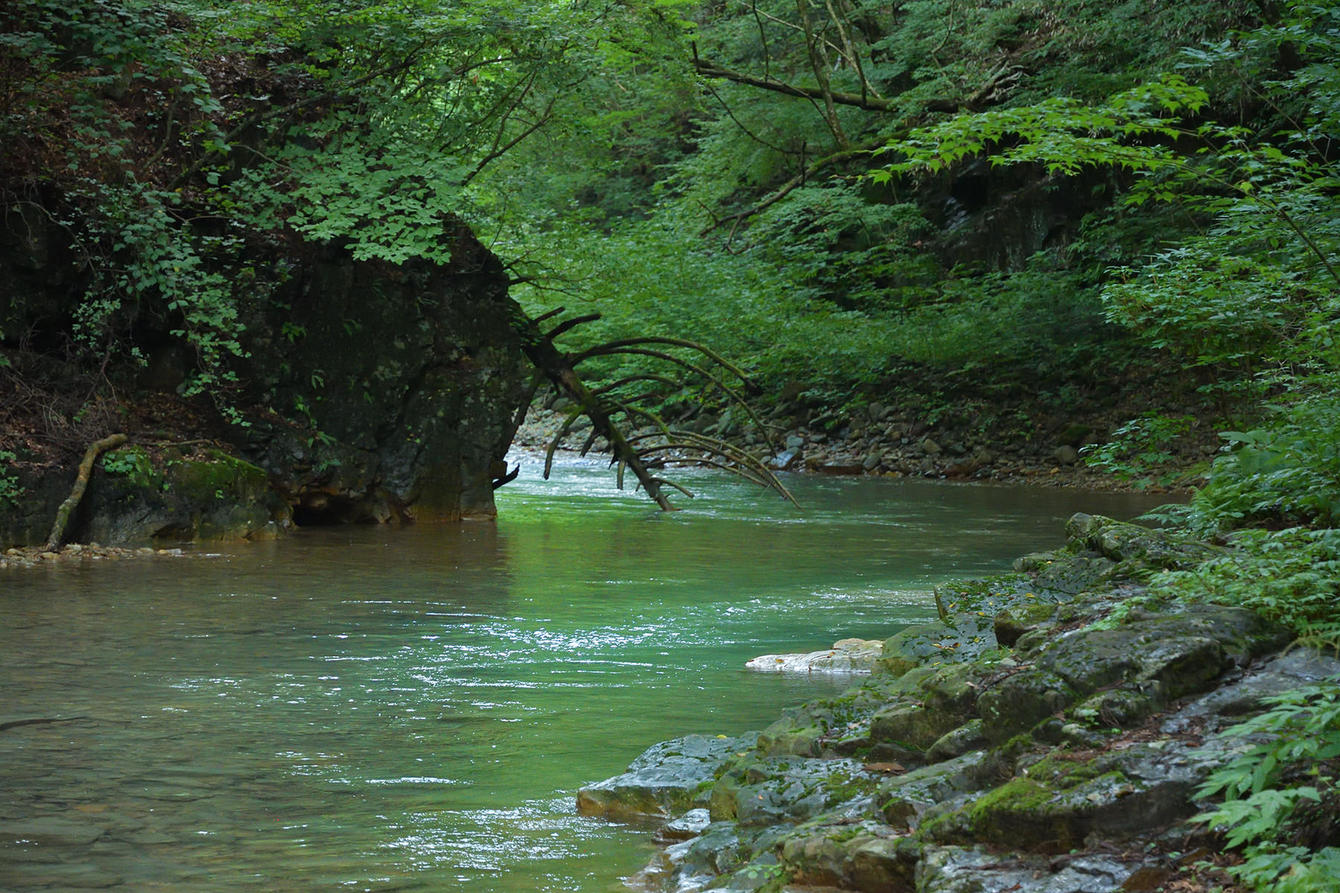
[66, 510]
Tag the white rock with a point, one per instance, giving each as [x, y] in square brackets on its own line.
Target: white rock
[855, 656]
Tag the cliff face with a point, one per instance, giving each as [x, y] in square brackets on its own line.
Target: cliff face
[367, 392]
[411, 376]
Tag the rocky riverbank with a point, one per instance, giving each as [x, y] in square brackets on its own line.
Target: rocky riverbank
[1045, 735]
[885, 441]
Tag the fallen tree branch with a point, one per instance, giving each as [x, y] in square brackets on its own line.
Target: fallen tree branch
[96, 449]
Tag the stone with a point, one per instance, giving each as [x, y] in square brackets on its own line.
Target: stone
[956, 869]
[1300, 666]
[758, 791]
[666, 778]
[863, 856]
[848, 656]
[938, 642]
[1020, 701]
[720, 849]
[1056, 803]
[688, 826]
[1065, 454]
[957, 742]
[904, 799]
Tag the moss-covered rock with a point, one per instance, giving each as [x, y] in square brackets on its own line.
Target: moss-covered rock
[775, 790]
[666, 778]
[864, 855]
[944, 700]
[1020, 701]
[135, 498]
[1055, 803]
[903, 799]
[958, 741]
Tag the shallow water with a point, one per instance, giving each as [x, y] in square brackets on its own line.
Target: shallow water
[373, 709]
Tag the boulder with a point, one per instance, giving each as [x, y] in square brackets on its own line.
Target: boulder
[759, 791]
[666, 778]
[396, 388]
[1054, 804]
[864, 855]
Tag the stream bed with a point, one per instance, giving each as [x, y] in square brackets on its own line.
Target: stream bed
[376, 709]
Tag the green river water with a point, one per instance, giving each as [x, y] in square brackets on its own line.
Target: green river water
[376, 709]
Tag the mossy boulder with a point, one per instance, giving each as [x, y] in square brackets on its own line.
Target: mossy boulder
[944, 700]
[1020, 701]
[839, 726]
[957, 741]
[1054, 804]
[965, 869]
[784, 790]
[135, 498]
[666, 778]
[965, 638]
[903, 799]
[1170, 655]
[395, 387]
[862, 855]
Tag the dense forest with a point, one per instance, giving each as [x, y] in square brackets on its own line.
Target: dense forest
[1113, 226]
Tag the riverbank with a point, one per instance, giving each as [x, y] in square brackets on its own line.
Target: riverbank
[887, 442]
[1049, 733]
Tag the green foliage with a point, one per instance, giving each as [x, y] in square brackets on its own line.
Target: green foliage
[10, 490]
[1281, 792]
[1140, 447]
[838, 246]
[1287, 470]
[132, 463]
[1291, 576]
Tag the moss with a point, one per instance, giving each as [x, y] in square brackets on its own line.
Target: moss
[220, 476]
[1059, 772]
[1016, 796]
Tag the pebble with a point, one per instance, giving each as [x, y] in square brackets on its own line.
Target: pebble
[33, 556]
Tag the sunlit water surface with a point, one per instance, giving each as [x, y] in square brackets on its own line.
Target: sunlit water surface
[375, 709]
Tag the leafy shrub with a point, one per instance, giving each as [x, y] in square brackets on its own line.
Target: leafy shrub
[1139, 447]
[1292, 576]
[1281, 794]
[1286, 471]
[10, 491]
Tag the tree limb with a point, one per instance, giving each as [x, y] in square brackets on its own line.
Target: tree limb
[840, 97]
[96, 449]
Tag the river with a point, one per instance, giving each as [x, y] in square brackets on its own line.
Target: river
[377, 709]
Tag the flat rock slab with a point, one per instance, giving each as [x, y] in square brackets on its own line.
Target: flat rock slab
[849, 656]
[664, 779]
[972, 870]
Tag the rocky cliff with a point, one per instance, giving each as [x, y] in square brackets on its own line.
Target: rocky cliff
[367, 392]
